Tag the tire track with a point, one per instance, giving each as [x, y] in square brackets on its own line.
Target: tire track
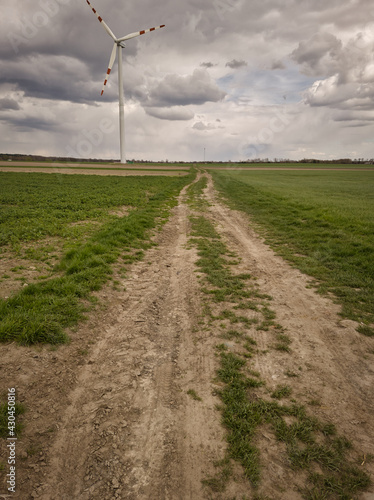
[329, 357]
[129, 429]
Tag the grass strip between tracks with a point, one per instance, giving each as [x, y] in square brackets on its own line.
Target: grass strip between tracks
[246, 403]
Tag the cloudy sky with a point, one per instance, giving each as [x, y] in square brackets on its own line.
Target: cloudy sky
[241, 79]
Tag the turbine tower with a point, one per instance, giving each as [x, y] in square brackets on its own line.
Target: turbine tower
[118, 46]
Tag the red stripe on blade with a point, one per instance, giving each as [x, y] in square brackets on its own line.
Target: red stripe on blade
[142, 33]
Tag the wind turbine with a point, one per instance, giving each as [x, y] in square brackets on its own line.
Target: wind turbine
[118, 46]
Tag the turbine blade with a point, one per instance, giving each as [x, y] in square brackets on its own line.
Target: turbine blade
[111, 62]
[138, 33]
[106, 27]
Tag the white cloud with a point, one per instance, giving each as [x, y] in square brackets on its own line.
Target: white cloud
[204, 126]
[348, 69]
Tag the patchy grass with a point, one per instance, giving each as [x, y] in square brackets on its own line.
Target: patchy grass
[283, 342]
[195, 194]
[320, 221]
[366, 330]
[219, 481]
[194, 395]
[282, 391]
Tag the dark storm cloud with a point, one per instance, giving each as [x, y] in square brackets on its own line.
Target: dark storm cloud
[66, 29]
[173, 114]
[234, 64]
[56, 49]
[9, 104]
[347, 116]
[50, 77]
[175, 90]
[278, 65]
[26, 123]
[207, 65]
[319, 55]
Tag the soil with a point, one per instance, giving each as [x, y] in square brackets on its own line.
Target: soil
[68, 171]
[93, 166]
[108, 415]
[17, 270]
[91, 169]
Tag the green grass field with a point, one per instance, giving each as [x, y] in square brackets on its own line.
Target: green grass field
[323, 222]
[38, 205]
[80, 214]
[289, 166]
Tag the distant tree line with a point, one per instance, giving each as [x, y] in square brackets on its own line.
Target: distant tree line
[48, 159]
[53, 159]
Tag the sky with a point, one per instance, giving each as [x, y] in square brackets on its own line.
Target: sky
[228, 80]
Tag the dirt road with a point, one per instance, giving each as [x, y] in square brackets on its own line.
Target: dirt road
[109, 415]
